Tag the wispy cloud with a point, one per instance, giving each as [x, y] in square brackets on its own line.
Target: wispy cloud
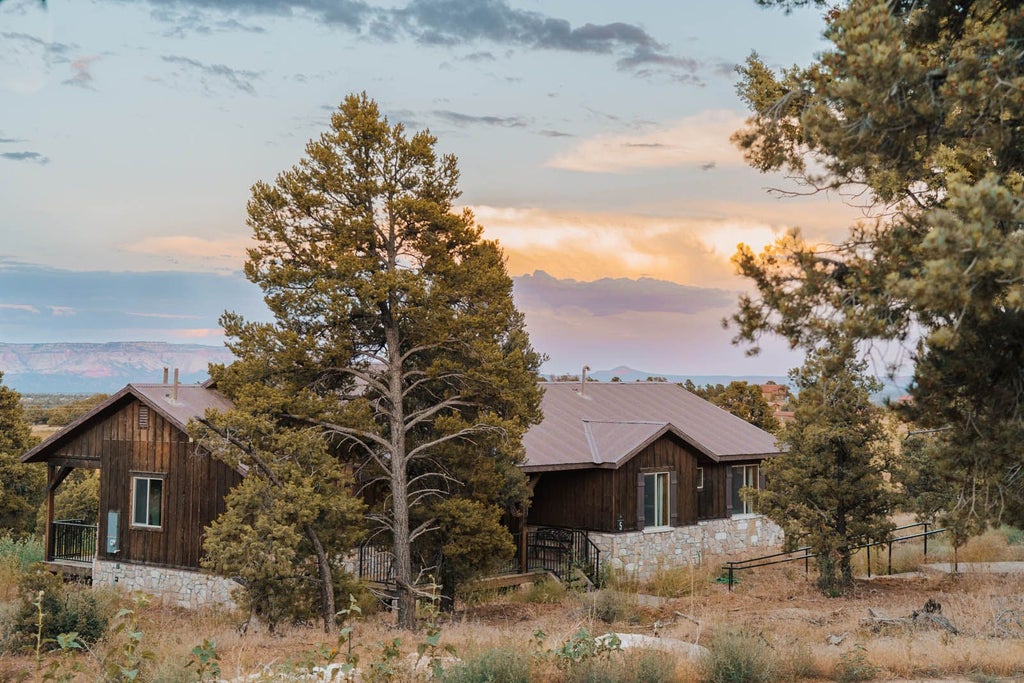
[62, 310]
[26, 41]
[165, 316]
[695, 141]
[19, 307]
[213, 75]
[450, 23]
[218, 253]
[34, 157]
[460, 119]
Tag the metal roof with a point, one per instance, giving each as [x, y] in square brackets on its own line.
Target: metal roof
[607, 423]
[192, 401]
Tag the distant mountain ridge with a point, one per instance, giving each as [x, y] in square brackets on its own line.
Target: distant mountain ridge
[90, 368]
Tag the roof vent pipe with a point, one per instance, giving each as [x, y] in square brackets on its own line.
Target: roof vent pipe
[165, 375]
[583, 379]
[175, 384]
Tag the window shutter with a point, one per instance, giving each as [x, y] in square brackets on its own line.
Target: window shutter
[640, 522]
[673, 498]
[728, 492]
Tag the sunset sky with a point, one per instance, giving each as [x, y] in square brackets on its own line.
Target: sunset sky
[592, 137]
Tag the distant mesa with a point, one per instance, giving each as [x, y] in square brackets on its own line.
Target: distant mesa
[74, 368]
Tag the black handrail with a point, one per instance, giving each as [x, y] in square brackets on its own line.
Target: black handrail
[733, 566]
[70, 539]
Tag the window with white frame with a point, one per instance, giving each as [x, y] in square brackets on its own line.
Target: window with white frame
[656, 499]
[744, 476]
[147, 501]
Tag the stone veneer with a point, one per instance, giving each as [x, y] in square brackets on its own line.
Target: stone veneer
[179, 587]
[641, 554]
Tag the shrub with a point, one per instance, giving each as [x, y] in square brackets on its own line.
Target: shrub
[611, 606]
[737, 657]
[853, 667]
[548, 591]
[638, 666]
[678, 582]
[497, 665]
[65, 610]
[22, 552]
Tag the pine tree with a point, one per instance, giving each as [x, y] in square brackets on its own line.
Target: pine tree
[394, 336]
[915, 110]
[827, 490]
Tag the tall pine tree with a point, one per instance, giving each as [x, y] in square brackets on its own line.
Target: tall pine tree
[395, 336]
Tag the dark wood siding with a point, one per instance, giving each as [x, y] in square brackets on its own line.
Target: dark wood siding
[594, 498]
[193, 490]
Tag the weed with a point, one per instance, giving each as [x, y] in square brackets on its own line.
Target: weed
[205, 661]
[497, 665]
[582, 646]
[641, 666]
[737, 657]
[611, 606]
[548, 592]
[124, 662]
[853, 666]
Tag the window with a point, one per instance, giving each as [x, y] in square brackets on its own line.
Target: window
[656, 499]
[744, 476]
[700, 478]
[147, 501]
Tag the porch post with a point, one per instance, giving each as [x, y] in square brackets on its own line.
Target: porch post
[51, 478]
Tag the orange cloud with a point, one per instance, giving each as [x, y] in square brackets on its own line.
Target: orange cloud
[588, 246]
[226, 252]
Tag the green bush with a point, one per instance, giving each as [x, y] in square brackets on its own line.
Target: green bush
[737, 657]
[65, 609]
[21, 551]
[498, 665]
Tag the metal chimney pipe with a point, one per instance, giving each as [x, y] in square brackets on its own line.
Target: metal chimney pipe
[165, 375]
[175, 396]
[583, 379]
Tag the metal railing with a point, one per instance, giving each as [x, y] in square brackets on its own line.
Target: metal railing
[804, 553]
[72, 539]
[559, 550]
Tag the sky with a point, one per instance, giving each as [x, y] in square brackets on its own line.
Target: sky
[593, 140]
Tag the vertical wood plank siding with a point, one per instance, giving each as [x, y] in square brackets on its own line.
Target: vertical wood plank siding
[194, 485]
[593, 498]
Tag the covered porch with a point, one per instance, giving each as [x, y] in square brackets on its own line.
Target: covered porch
[69, 544]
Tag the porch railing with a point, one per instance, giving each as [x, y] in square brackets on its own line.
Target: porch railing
[559, 550]
[72, 539]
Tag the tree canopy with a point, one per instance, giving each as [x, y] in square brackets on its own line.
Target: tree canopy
[915, 111]
[744, 400]
[21, 486]
[395, 338]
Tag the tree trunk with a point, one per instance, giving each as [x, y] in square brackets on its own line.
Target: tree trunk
[400, 487]
[327, 604]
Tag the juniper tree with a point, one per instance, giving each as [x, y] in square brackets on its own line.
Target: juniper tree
[915, 110]
[394, 334]
[827, 489]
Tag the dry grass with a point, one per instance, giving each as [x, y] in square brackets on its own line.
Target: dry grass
[776, 606]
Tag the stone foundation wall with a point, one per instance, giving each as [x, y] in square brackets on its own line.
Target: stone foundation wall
[178, 587]
[641, 554]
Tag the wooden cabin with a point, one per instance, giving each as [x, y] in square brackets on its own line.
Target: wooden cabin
[158, 492]
[648, 467]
